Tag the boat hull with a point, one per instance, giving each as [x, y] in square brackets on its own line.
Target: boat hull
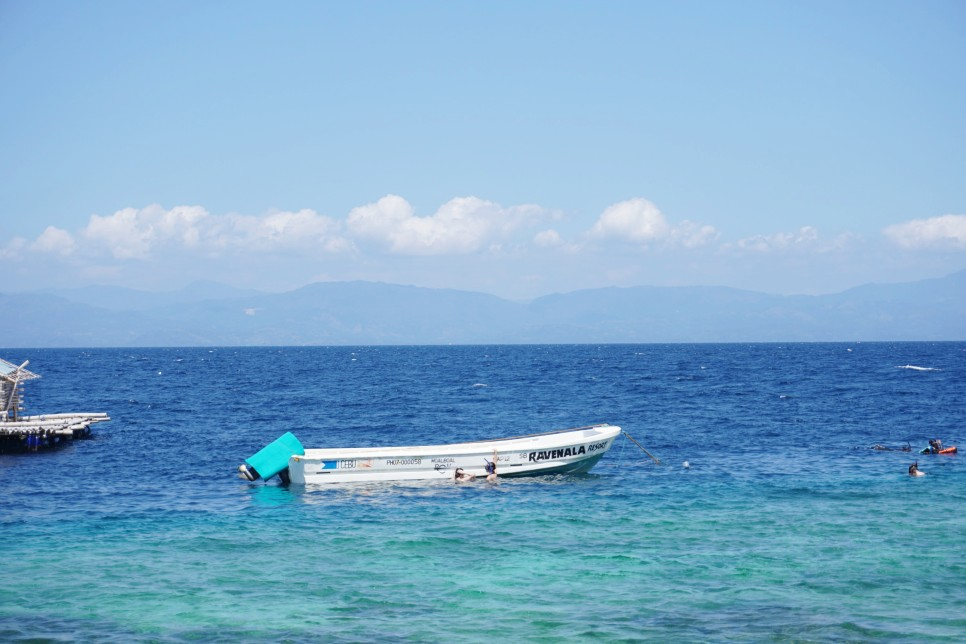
[947, 450]
[570, 451]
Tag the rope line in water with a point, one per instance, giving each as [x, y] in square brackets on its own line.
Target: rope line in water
[641, 446]
[620, 458]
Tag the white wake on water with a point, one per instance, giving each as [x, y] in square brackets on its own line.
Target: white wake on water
[915, 368]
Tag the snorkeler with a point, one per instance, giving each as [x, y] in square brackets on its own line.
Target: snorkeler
[491, 469]
[914, 470]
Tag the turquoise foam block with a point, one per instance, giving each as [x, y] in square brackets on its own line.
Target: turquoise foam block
[273, 458]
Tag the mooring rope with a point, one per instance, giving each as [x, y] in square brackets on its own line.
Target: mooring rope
[620, 458]
[641, 446]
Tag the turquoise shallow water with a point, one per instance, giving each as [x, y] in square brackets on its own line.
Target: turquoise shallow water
[786, 527]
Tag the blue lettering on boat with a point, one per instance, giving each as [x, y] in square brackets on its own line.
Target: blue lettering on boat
[549, 455]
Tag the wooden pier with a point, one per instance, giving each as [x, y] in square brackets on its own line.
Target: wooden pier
[20, 433]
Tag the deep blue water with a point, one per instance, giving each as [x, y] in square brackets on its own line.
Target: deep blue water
[786, 527]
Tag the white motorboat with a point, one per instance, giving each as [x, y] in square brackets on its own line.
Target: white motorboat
[565, 451]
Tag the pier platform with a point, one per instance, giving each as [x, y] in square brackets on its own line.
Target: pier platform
[21, 433]
[32, 433]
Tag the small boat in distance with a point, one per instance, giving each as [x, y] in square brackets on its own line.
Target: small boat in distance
[573, 451]
[936, 447]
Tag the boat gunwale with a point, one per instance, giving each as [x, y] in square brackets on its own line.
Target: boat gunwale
[509, 443]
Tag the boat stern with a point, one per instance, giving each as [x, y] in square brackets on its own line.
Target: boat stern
[272, 459]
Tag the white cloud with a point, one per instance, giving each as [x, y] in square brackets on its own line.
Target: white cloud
[548, 239]
[806, 236]
[127, 233]
[639, 221]
[842, 241]
[551, 239]
[139, 233]
[805, 241]
[635, 220]
[54, 240]
[14, 248]
[304, 229]
[945, 231]
[180, 223]
[380, 219]
[462, 225]
[692, 235]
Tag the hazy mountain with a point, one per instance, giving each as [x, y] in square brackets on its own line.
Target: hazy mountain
[126, 299]
[377, 313]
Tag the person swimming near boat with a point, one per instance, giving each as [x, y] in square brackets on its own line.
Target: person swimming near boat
[935, 446]
[885, 448]
[491, 469]
[460, 476]
[914, 470]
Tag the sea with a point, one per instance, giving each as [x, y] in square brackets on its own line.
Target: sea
[753, 509]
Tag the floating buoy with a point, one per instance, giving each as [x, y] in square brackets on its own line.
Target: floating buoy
[686, 465]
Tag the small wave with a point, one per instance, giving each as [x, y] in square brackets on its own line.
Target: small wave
[480, 384]
[915, 368]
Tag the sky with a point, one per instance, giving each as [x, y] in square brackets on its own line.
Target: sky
[513, 148]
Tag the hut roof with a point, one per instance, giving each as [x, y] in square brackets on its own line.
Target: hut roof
[11, 372]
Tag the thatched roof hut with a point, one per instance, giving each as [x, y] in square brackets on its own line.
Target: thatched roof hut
[11, 392]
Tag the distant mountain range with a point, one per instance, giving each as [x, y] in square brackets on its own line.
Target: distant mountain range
[367, 313]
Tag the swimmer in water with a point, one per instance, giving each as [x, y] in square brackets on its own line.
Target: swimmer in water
[914, 470]
[491, 469]
[462, 476]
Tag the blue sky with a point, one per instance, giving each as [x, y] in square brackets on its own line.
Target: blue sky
[512, 148]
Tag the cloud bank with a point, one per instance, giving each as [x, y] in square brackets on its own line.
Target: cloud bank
[947, 231]
[132, 234]
[460, 226]
[467, 242]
